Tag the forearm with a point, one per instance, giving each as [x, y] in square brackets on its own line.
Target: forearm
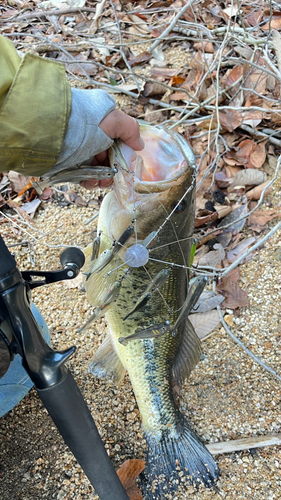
[45, 125]
[84, 138]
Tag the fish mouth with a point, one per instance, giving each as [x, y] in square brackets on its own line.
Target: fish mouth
[147, 182]
[165, 159]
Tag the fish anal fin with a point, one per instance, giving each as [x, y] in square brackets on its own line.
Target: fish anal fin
[106, 364]
[188, 354]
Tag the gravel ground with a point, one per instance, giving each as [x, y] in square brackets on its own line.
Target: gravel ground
[227, 397]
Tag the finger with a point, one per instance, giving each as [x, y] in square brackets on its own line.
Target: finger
[101, 157]
[104, 183]
[130, 132]
[118, 125]
[89, 184]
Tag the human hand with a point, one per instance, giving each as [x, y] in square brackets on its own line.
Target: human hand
[117, 125]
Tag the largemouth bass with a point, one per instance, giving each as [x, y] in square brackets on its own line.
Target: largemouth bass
[153, 191]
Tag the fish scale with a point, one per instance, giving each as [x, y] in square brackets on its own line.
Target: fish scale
[155, 365]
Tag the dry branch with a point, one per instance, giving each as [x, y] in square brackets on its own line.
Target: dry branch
[244, 444]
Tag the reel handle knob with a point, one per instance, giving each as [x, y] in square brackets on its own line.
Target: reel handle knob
[72, 255]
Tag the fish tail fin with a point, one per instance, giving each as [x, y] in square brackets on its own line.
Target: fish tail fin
[174, 460]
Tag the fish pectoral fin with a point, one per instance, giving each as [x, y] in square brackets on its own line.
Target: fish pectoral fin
[106, 364]
[188, 354]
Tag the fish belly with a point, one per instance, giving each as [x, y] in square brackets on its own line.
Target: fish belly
[172, 446]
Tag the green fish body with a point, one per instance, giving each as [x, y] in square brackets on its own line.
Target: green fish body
[159, 196]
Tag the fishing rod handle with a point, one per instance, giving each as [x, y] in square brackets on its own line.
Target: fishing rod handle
[7, 262]
[72, 417]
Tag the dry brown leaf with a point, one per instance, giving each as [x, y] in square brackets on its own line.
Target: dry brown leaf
[262, 217]
[17, 208]
[231, 11]
[248, 153]
[206, 46]
[245, 52]
[238, 250]
[153, 88]
[176, 80]
[256, 81]
[235, 297]
[143, 57]
[213, 258]
[128, 473]
[207, 218]
[230, 119]
[80, 68]
[72, 197]
[192, 80]
[231, 171]
[204, 323]
[18, 181]
[258, 156]
[97, 18]
[164, 72]
[47, 194]
[275, 24]
[255, 193]
[139, 24]
[252, 118]
[222, 210]
[178, 96]
[248, 177]
[233, 76]
[80, 202]
[255, 17]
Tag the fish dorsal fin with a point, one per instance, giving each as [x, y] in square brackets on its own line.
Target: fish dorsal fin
[188, 354]
[106, 364]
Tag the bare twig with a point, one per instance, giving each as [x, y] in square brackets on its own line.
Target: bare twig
[245, 349]
[262, 135]
[244, 444]
[56, 45]
[171, 25]
[45, 13]
[121, 47]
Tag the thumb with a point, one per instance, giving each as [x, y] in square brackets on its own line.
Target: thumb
[118, 125]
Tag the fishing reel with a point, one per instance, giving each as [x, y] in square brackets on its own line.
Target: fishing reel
[72, 259]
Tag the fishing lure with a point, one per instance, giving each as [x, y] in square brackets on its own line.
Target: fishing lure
[107, 300]
[75, 175]
[158, 330]
[105, 257]
[156, 284]
[193, 295]
[148, 333]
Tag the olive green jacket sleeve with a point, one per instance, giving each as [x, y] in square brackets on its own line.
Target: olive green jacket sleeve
[35, 103]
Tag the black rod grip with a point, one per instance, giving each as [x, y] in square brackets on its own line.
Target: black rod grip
[7, 262]
[73, 419]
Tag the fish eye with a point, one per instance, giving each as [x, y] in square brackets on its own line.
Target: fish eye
[178, 207]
